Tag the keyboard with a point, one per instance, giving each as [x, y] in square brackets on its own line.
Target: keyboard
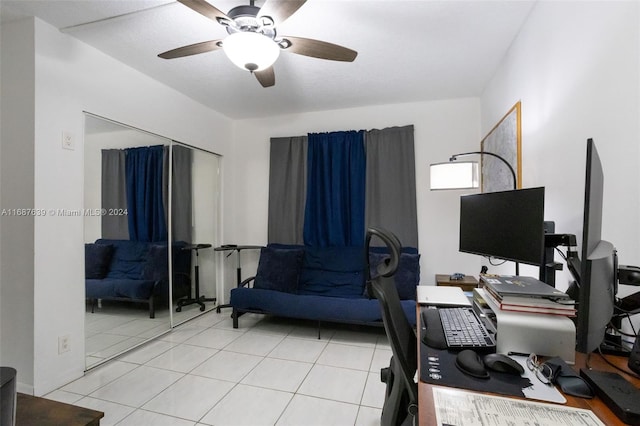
[456, 328]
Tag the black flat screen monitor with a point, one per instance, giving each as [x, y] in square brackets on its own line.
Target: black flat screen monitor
[599, 265]
[506, 224]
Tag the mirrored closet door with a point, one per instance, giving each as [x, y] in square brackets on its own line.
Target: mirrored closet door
[151, 222]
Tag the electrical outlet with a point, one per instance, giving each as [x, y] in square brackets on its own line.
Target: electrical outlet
[64, 344]
[68, 141]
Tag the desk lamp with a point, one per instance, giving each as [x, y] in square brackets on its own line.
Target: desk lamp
[464, 174]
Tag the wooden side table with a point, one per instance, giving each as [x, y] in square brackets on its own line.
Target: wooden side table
[468, 283]
[36, 411]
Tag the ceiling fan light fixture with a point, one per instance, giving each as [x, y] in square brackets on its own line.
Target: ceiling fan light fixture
[251, 51]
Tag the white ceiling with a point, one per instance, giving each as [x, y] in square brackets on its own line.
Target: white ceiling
[408, 51]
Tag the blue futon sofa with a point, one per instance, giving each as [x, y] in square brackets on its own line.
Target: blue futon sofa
[134, 271]
[323, 284]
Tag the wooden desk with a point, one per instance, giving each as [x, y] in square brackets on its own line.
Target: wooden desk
[35, 411]
[468, 283]
[427, 414]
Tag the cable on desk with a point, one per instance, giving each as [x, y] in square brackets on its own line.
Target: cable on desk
[630, 373]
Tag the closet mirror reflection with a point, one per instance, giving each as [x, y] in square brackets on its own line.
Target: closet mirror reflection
[151, 221]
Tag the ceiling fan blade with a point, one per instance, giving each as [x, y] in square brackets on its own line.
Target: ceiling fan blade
[205, 8]
[280, 10]
[319, 49]
[266, 77]
[192, 49]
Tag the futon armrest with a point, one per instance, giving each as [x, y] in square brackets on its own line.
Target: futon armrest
[247, 282]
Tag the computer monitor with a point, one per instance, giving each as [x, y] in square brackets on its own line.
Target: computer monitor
[506, 225]
[599, 264]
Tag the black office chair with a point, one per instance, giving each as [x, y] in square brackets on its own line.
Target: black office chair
[401, 397]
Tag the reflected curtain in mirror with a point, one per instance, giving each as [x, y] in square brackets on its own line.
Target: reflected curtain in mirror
[181, 191]
[147, 221]
[114, 195]
[142, 191]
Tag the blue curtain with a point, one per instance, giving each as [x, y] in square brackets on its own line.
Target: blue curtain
[334, 212]
[144, 194]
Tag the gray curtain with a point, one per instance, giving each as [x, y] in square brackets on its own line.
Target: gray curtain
[390, 188]
[181, 191]
[287, 189]
[114, 194]
[390, 200]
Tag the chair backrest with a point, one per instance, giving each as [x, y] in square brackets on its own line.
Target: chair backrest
[401, 335]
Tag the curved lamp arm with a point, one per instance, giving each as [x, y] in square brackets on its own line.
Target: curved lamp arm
[513, 173]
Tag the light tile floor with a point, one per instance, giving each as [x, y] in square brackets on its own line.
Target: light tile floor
[270, 371]
[117, 327]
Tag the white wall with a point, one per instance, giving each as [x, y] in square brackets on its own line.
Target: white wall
[16, 190]
[71, 77]
[441, 128]
[575, 67]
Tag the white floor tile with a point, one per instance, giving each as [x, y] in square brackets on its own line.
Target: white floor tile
[190, 397]
[146, 352]
[214, 338]
[99, 377]
[381, 359]
[137, 387]
[137, 327]
[205, 373]
[63, 396]
[119, 347]
[308, 411]
[254, 343]
[294, 349]
[248, 405]
[113, 412]
[278, 374]
[148, 418]
[182, 333]
[100, 342]
[338, 384]
[374, 391]
[210, 319]
[368, 416]
[182, 358]
[367, 337]
[310, 331]
[347, 356]
[229, 366]
[279, 326]
[245, 322]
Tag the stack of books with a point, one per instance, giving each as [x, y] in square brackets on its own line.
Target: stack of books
[526, 294]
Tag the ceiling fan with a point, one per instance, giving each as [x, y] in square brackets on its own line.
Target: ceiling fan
[253, 42]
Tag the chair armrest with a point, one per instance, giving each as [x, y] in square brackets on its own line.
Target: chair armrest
[246, 282]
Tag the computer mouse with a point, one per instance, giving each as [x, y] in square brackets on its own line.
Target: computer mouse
[471, 363]
[503, 364]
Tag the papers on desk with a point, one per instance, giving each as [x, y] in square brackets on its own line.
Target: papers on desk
[462, 408]
[432, 295]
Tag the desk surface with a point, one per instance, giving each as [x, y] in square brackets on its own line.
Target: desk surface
[237, 247]
[427, 409]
